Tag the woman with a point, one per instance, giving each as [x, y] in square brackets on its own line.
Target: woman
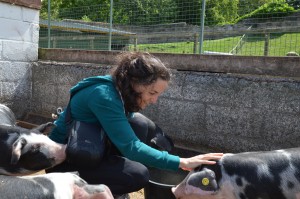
[110, 101]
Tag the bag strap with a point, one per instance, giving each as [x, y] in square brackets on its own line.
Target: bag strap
[68, 116]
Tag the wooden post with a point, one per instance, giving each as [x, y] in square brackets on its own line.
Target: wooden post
[54, 42]
[195, 43]
[266, 47]
[92, 45]
[135, 44]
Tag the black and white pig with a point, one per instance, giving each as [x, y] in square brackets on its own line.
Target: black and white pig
[52, 185]
[25, 151]
[249, 175]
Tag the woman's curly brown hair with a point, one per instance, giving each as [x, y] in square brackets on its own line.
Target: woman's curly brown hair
[136, 68]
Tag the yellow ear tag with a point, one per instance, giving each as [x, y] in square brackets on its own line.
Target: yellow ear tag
[205, 181]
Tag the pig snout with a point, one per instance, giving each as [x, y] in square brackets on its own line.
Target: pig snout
[83, 190]
[92, 192]
[58, 152]
[178, 191]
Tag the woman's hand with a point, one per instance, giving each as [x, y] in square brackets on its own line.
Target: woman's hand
[193, 162]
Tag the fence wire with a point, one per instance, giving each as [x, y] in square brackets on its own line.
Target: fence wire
[233, 27]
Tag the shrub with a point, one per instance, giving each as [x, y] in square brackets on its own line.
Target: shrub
[268, 10]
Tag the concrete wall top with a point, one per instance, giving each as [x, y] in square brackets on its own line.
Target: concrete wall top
[256, 65]
[35, 4]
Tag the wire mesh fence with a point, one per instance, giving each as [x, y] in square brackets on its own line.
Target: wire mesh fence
[234, 27]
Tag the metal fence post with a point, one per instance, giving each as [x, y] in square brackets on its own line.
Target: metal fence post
[202, 27]
[49, 25]
[110, 24]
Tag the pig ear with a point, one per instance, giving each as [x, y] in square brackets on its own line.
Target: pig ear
[17, 147]
[44, 128]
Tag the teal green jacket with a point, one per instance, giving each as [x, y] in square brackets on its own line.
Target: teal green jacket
[97, 100]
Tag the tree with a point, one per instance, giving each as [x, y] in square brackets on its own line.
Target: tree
[276, 8]
[145, 12]
[221, 11]
[127, 12]
[188, 11]
[216, 12]
[294, 3]
[75, 9]
[55, 6]
[247, 6]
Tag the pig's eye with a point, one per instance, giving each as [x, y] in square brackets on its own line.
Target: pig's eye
[23, 143]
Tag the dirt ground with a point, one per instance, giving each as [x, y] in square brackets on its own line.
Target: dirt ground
[137, 195]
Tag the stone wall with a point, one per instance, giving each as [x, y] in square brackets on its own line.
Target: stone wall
[19, 25]
[214, 103]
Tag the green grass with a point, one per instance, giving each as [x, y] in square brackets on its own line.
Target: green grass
[279, 45]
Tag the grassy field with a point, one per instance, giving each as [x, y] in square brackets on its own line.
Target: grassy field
[279, 45]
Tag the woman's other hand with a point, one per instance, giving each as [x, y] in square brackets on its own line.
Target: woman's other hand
[195, 161]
